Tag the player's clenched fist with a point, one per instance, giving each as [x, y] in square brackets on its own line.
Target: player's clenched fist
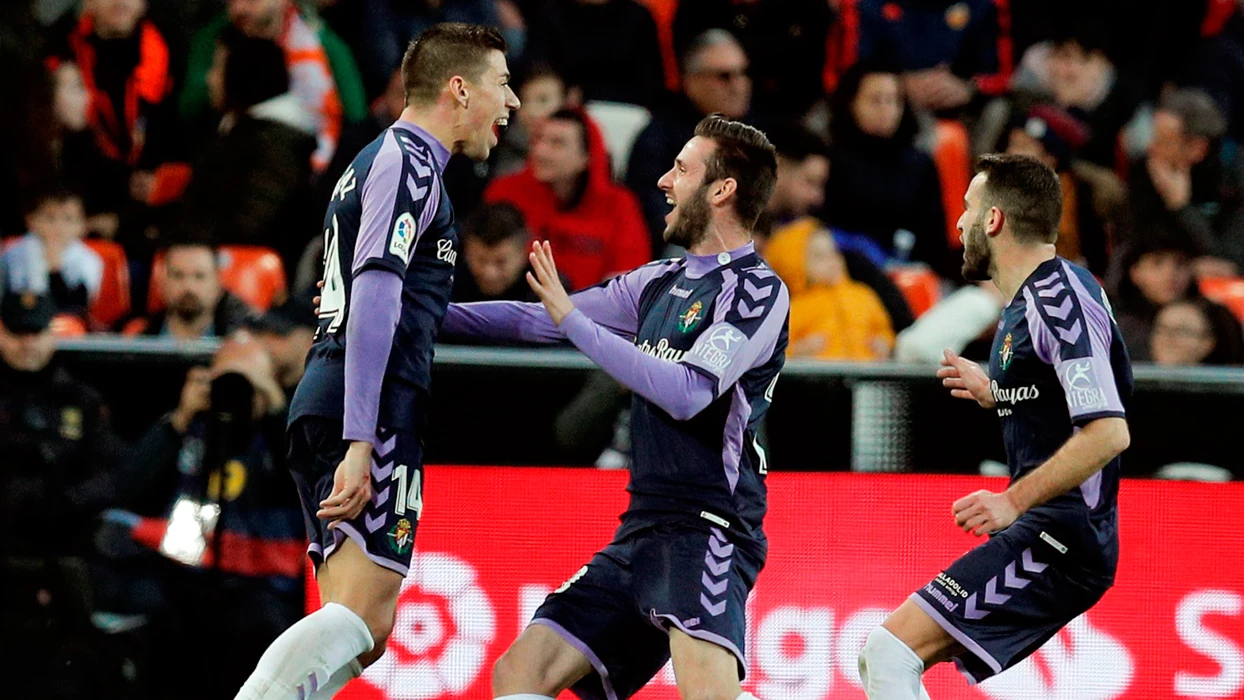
[983, 512]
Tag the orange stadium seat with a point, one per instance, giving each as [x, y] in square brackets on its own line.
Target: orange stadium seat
[1228, 291]
[254, 274]
[920, 286]
[113, 302]
[952, 155]
[663, 14]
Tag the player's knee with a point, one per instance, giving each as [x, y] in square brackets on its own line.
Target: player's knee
[885, 656]
[513, 671]
[710, 691]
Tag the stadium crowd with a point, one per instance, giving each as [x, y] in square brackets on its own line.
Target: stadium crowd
[165, 168]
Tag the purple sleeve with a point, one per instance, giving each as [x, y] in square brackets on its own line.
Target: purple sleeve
[679, 390]
[1073, 331]
[748, 322]
[613, 304]
[375, 304]
[400, 196]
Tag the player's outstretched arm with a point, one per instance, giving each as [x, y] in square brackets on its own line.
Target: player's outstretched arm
[965, 379]
[1079, 458]
[678, 389]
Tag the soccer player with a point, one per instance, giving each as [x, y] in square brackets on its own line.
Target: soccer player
[1058, 377]
[357, 417]
[700, 341]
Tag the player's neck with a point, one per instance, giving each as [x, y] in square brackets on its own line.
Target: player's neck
[434, 120]
[1018, 265]
[721, 237]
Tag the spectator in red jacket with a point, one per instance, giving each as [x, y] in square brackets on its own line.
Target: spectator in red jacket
[124, 61]
[568, 197]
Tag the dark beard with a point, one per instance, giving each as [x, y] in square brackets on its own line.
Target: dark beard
[976, 258]
[692, 223]
[187, 308]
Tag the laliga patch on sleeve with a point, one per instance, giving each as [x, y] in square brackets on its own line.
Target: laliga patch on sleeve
[403, 237]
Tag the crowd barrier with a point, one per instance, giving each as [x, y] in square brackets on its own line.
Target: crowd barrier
[844, 550]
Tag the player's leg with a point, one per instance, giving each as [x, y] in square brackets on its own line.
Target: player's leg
[896, 654]
[539, 664]
[704, 670]
[359, 580]
[588, 635]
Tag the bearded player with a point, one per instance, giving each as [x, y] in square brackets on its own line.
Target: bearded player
[1058, 377]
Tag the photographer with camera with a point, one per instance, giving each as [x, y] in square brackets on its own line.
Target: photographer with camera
[212, 494]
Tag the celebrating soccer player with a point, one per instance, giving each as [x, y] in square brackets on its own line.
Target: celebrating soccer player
[700, 341]
[1058, 377]
[357, 416]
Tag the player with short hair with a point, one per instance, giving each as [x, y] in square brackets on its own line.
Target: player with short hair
[357, 417]
[700, 341]
[1059, 377]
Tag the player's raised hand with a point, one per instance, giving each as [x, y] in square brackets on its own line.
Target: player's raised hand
[546, 284]
[965, 379]
[983, 512]
[351, 486]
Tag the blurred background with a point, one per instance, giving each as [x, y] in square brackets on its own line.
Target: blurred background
[164, 169]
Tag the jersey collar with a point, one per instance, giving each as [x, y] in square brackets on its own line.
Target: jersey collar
[439, 153]
[700, 265]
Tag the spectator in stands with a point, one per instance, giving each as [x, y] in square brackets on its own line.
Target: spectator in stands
[60, 453]
[1216, 64]
[322, 71]
[714, 73]
[198, 307]
[494, 257]
[1094, 199]
[568, 197]
[607, 47]
[832, 317]
[881, 183]
[1189, 184]
[52, 260]
[253, 184]
[222, 446]
[542, 91]
[124, 61]
[948, 51]
[286, 332]
[58, 465]
[785, 39]
[1197, 332]
[803, 169]
[44, 138]
[1074, 71]
[1147, 276]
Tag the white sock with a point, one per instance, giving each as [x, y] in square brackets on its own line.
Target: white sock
[523, 696]
[304, 657]
[353, 669]
[889, 668]
[746, 696]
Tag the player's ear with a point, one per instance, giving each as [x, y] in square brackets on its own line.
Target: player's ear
[997, 219]
[723, 189]
[458, 88]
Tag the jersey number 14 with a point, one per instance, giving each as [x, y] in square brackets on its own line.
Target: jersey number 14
[409, 491]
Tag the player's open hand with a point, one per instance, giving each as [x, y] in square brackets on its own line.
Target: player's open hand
[983, 512]
[546, 284]
[351, 486]
[965, 379]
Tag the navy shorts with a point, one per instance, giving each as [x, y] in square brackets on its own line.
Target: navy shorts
[619, 608]
[385, 530]
[1007, 597]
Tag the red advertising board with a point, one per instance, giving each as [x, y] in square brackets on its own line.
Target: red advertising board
[844, 550]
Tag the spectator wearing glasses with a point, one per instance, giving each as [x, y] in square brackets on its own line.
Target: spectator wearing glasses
[1197, 332]
[714, 71]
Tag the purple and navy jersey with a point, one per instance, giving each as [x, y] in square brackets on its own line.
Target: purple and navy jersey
[388, 213]
[1058, 363]
[694, 332]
